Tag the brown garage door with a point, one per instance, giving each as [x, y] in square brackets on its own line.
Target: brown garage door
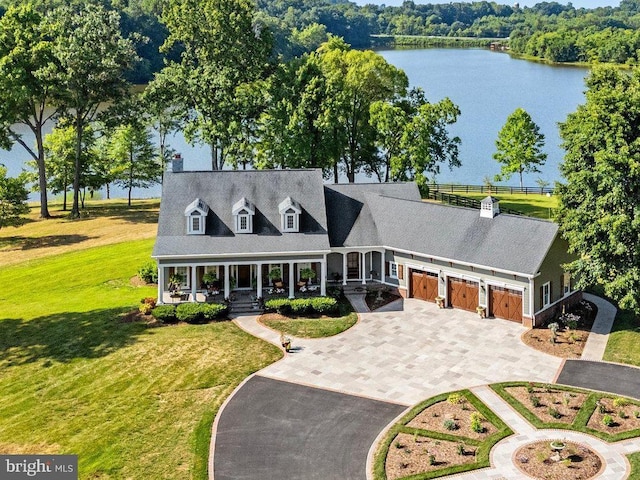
[463, 294]
[506, 303]
[424, 285]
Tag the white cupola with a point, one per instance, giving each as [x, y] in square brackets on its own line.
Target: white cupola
[243, 212]
[290, 215]
[489, 207]
[196, 213]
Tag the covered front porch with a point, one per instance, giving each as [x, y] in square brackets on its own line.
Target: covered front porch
[216, 281]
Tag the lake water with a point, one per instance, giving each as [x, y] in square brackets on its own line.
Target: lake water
[487, 86]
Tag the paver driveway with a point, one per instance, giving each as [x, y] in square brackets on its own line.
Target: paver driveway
[410, 355]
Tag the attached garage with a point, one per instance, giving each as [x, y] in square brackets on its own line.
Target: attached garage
[424, 285]
[463, 294]
[505, 303]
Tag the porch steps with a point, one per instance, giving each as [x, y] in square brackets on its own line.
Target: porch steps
[243, 305]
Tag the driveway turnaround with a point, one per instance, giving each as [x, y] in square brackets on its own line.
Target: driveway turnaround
[606, 377]
[277, 430]
[407, 356]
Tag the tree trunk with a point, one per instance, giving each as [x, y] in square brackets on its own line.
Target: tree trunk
[42, 174]
[335, 172]
[82, 196]
[130, 177]
[108, 191]
[214, 156]
[65, 179]
[75, 209]
[521, 179]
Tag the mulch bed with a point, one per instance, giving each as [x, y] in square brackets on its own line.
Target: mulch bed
[136, 281]
[412, 454]
[374, 301]
[624, 417]
[574, 462]
[569, 344]
[566, 404]
[135, 316]
[434, 417]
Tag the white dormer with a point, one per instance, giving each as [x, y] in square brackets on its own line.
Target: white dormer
[290, 215]
[196, 213]
[489, 207]
[243, 211]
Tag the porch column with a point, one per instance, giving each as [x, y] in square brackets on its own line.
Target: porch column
[323, 276]
[382, 267]
[292, 286]
[259, 281]
[363, 258]
[227, 290]
[194, 287]
[160, 283]
[344, 269]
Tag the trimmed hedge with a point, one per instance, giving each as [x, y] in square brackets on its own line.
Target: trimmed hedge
[164, 313]
[300, 306]
[200, 312]
[190, 312]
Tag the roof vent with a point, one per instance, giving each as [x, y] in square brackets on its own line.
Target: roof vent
[176, 164]
[489, 207]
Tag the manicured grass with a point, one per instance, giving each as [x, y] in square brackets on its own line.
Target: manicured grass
[131, 401]
[314, 327]
[624, 340]
[581, 420]
[483, 447]
[103, 222]
[634, 460]
[533, 204]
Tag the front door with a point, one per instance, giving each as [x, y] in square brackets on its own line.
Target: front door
[244, 276]
[353, 266]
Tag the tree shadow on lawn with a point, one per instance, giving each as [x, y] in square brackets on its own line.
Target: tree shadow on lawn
[66, 336]
[27, 243]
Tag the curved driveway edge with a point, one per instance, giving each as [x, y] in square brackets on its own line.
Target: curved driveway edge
[276, 429]
[602, 376]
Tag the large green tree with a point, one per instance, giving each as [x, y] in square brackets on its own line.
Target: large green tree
[13, 199]
[224, 55]
[599, 211]
[519, 146]
[135, 164]
[26, 84]
[93, 57]
[355, 80]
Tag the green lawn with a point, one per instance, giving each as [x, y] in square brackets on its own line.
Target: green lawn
[314, 327]
[131, 401]
[634, 460]
[533, 204]
[624, 341]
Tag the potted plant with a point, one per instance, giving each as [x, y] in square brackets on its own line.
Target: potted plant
[482, 311]
[275, 275]
[307, 274]
[209, 279]
[175, 281]
[439, 301]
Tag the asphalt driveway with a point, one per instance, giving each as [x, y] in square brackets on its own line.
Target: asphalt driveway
[278, 430]
[606, 377]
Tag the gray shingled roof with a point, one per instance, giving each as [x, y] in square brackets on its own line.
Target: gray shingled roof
[220, 190]
[349, 217]
[506, 242]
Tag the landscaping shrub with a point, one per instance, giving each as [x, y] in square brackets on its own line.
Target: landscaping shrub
[476, 422]
[455, 399]
[608, 420]
[554, 412]
[164, 313]
[149, 272]
[450, 424]
[620, 402]
[147, 304]
[280, 305]
[324, 304]
[300, 306]
[200, 312]
[212, 311]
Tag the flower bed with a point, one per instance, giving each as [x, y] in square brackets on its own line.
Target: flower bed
[549, 404]
[573, 461]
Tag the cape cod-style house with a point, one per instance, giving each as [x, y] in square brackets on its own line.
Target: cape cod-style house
[242, 226]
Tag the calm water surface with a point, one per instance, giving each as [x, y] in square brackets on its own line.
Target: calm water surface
[487, 86]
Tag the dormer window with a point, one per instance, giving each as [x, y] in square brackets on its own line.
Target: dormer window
[290, 215]
[243, 211]
[196, 213]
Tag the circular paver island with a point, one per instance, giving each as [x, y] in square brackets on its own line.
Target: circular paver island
[558, 460]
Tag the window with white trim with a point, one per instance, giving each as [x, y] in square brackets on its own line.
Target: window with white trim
[243, 222]
[566, 283]
[184, 272]
[290, 211]
[196, 214]
[393, 270]
[546, 294]
[196, 224]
